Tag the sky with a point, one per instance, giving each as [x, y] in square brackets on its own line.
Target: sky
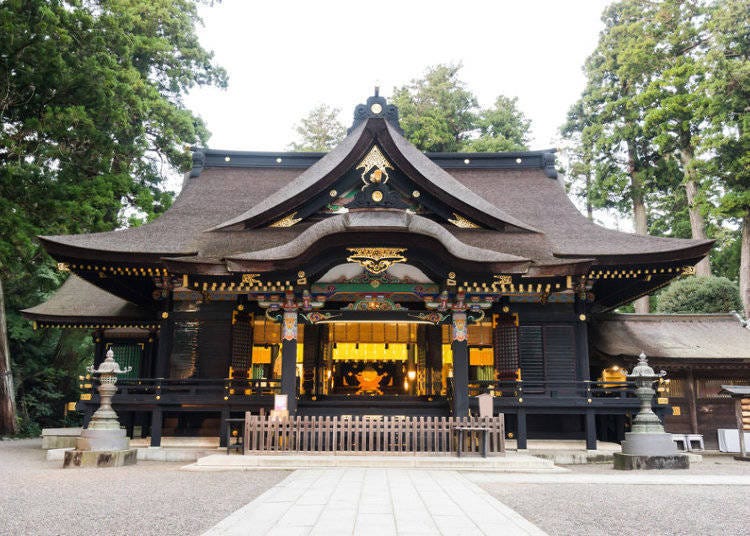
[286, 57]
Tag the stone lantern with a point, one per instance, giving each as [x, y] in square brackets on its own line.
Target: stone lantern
[103, 443]
[647, 445]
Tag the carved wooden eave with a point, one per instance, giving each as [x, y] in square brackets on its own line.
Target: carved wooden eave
[387, 227]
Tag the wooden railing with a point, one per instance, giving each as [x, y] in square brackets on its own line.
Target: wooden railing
[554, 389]
[381, 435]
[196, 386]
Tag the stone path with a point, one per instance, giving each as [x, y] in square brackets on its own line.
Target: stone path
[381, 502]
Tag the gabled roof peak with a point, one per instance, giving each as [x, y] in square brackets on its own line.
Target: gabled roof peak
[376, 107]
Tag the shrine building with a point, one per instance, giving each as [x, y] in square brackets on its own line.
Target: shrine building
[371, 280]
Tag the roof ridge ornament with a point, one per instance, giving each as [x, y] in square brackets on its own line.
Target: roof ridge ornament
[376, 107]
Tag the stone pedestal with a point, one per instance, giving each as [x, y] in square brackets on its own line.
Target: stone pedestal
[633, 462]
[100, 458]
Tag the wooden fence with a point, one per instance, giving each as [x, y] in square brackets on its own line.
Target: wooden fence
[381, 435]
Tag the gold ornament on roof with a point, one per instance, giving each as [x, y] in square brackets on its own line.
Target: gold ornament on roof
[375, 168]
[460, 221]
[286, 221]
[251, 279]
[376, 260]
[503, 279]
[688, 270]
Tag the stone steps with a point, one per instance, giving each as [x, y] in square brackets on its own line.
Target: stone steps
[509, 463]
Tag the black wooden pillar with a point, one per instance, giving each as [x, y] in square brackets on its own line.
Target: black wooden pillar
[460, 346]
[434, 358]
[166, 341]
[99, 347]
[289, 359]
[156, 424]
[310, 359]
[521, 433]
[590, 430]
[223, 426]
[582, 340]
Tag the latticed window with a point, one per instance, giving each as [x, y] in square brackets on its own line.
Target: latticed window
[128, 355]
[242, 345]
[505, 342]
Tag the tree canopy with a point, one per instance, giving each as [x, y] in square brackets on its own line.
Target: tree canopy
[93, 120]
[659, 131]
[700, 295]
[437, 113]
[320, 130]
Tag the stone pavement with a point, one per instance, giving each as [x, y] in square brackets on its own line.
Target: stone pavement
[377, 501]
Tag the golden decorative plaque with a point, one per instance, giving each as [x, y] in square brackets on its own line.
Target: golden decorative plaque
[376, 260]
[377, 162]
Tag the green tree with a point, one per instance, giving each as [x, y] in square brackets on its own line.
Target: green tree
[674, 102]
[92, 121]
[437, 112]
[700, 295]
[502, 127]
[320, 131]
[728, 111]
[621, 162]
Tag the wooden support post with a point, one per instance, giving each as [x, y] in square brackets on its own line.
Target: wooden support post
[521, 429]
[166, 342]
[156, 424]
[692, 399]
[590, 430]
[310, 358]
[460, 346]
[582, 341]
[223, 427]
[99, 347]
[289, 359]
[434, 358]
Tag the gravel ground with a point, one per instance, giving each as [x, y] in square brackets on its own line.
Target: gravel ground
[588, 509]
[39, 497]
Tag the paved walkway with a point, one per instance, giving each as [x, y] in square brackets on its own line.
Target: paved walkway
[380, 502]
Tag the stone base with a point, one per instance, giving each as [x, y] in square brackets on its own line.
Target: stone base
[649, 444]
[60, 438]
[629, 462]
[100, 458]
[106, 440]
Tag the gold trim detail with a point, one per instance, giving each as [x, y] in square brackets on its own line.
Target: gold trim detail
[503, 279]
[251, 279]
[376, 260]
[688, 270]
[463, 223]
[286, 221]
[376, 160]
[63, 267]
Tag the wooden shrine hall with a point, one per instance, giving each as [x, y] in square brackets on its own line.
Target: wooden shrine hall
[371, 280]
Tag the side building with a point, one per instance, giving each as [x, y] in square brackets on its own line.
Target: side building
[700, 354]
[374, 279]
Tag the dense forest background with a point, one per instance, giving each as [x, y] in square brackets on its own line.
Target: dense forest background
[93, 121]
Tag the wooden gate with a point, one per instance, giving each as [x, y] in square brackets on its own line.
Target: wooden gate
[381, 435]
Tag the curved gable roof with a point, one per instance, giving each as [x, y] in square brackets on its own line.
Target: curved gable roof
[420, 169]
